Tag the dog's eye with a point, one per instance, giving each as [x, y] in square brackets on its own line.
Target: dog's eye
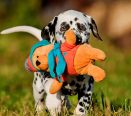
[81, 27]
[64, 26]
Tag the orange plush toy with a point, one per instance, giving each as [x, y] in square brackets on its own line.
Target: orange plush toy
[79, 60]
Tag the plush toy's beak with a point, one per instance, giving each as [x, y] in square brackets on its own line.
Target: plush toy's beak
[30, 66]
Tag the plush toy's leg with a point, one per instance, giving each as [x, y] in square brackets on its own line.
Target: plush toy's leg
[97, 73]
[92, 53]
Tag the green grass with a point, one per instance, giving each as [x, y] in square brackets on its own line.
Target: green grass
[111, 97]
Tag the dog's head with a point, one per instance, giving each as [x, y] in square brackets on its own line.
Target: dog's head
[80, 23]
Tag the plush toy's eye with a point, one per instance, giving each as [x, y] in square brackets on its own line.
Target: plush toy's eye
[81, 27]
[64, 26]
[37, 56]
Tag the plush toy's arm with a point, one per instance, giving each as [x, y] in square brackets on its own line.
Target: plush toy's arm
[96, 54]
[96, 72]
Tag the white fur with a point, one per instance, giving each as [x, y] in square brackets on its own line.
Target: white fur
[70, 15]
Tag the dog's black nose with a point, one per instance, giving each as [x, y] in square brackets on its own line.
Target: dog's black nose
[37, 63]
[78, 40]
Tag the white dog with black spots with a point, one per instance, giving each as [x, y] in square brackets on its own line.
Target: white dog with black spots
[82, 25]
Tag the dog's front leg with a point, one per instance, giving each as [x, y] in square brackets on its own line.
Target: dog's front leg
[38, 91]
[53, 101]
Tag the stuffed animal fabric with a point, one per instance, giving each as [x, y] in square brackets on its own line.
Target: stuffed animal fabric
[75, 60]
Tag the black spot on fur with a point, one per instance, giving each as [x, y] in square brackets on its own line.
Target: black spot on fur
[89, 87]
[88, 102]
[94, 29]
[49, 30]
[46, 74]
[71, 22]
[75, 19]
[72, 83]
[84, 15]
[42, 100]
[41, 91]
[35, 80]
[40, 75]
[81, 104]
[81, 92]
[83, 89]
[78, 85]
[64, 26]
[52, 26]
[91, 80]
[65, 83]
[80, 78]
[45, 34]
[81, 27]
[85, 100]
[81, 110]
[66, 91]
[87, 94]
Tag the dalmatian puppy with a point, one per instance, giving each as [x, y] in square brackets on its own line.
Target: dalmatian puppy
[82, 25]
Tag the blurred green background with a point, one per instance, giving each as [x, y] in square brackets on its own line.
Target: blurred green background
[112, 96]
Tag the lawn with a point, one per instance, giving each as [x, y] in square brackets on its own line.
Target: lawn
[111, 97]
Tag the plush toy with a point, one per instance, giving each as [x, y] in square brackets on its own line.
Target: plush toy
[66, 59]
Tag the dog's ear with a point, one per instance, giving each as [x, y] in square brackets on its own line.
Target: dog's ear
[48, 32]
[94, 29]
